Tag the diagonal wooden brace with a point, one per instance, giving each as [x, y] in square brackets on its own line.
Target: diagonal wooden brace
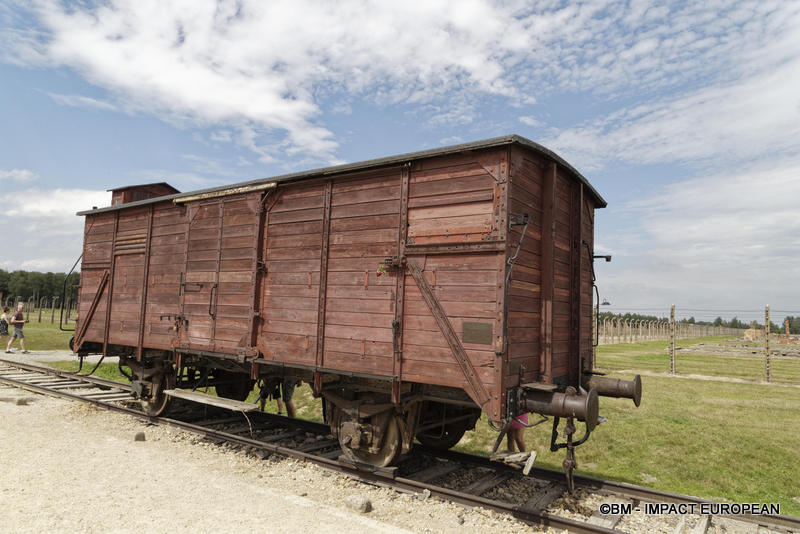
[86, 320]
[476, 388]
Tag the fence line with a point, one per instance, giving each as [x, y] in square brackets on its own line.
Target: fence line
[38, 310]
[617, 330]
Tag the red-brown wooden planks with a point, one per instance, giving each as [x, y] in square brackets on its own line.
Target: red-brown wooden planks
[321, 249]
[290, 294]
[359, 305]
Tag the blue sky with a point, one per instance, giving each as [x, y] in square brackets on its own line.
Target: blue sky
[684, 115]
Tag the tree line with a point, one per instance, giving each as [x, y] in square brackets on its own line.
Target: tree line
[33, 284]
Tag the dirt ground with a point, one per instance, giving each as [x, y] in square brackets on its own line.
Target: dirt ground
[68, 467]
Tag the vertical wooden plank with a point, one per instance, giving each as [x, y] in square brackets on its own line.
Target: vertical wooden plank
[191, 212]
[400, 286]
[549, 199]
[501, 361]
[110, 283]
[323, 273]
[574, 358]
[212, 299]
[268, 203]
[260, 246]
[145, 284]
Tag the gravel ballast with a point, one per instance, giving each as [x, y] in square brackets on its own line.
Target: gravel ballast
[69, 467]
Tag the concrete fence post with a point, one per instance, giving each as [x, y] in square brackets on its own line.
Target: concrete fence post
[672, 339]
[767, 370]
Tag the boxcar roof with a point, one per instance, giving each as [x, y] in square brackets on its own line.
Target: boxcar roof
[380, 162]
[122, 188]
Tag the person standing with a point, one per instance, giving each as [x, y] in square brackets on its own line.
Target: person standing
[18, 321]
[5, 320]
[516, 432]
[287, 388]
[281, 390]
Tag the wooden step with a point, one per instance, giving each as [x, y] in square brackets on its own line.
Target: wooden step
[219, 402]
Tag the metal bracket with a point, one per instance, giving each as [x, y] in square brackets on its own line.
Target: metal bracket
[395, 331]
[512, 402]
[394, 263]
[178, 318]
[198, 285]
[517, 220]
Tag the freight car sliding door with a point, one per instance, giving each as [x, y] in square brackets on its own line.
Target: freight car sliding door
[219, 276]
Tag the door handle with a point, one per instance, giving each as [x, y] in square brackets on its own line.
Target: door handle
[211, 299]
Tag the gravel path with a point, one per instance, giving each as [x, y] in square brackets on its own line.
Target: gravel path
[69, 467]
[44, 356]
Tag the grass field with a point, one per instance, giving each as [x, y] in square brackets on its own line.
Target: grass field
[717, 440]
[653, 356]
[709, 439]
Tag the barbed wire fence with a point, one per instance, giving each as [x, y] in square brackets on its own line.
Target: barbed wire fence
[617, 330]
[43, 309]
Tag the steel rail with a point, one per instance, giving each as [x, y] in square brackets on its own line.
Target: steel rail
[540, 518]
[620, 489]
[404, 483]
[67, 374]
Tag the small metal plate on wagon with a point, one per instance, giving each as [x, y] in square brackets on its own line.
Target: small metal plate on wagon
[477, 333]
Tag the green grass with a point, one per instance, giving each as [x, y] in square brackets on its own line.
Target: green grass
[653, 356]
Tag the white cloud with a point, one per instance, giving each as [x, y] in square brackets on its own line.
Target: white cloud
[263, 70]
[80, 101]
[19, 175]
[47, 233]
[754, 112]
[221, 136]
[530, 121]
[730, 238]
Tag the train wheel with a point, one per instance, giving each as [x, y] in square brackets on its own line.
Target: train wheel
[236, 386]
[158, 403]
[388, 453]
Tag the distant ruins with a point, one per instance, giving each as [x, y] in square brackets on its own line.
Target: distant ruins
[753, 333]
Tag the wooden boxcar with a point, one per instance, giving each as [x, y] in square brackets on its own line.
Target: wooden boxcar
[412, 292]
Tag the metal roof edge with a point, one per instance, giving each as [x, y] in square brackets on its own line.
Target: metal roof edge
[371, 163]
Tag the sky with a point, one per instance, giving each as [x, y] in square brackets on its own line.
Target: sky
[685, 116]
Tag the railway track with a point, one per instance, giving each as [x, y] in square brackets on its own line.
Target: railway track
[466, 479]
